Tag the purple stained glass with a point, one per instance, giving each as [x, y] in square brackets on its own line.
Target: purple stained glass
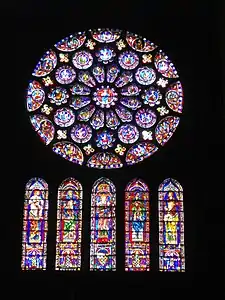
[128, 60]
[35, 225]
[82, 60]
[64, 117]
[65, 74]
[103, 226]
[145, 118]
[128, 134]
[171, 226]
[118, 84]
[81, 133]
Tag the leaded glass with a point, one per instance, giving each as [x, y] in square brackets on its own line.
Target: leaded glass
[103, 226]
[100, 88]
[171, 226]
[69, 225]
[35, 225]
[137, 226]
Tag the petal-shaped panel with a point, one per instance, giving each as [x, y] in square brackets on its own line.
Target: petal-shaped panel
[165, 129]
[86, 78]
[112, 73]
[112, 120]
[69, 151]
[86, 113]
[124, 114]
[97, 121]
[46, 64]
[71, 43]
[124, 79]
[104, 160]
[139, 152]
[35, 96]
[44, 128]
[130, 90]
[131, 102]
[80, 89]
[174, 97]
[164, 65]
[105, 35]
[138, 43]
[79, 102]
[99, 73]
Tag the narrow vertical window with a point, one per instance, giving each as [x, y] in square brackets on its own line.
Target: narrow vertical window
[103, 226]
[171, 226]
[137, 247]
[35, 226]
[69, 225]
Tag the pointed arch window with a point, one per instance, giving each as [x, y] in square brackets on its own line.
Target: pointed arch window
[103, 226]
[69, 225]
[137, 246]
[35, 225]
[171, 226]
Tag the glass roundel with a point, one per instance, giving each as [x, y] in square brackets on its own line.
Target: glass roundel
[105, 98]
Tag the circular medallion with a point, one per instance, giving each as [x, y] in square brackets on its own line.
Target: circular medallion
[128, 60]
[145, 75]
[81, 133]
[64, 117]
[128, 134]
[65, 75]
[105, 98]
[82, 60]
[145, 118]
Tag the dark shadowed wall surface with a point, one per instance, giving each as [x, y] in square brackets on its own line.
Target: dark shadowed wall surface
[189, 34]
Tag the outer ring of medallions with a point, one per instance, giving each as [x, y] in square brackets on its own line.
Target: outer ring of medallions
[99, 84]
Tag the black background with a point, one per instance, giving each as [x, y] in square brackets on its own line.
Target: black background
[189, 33]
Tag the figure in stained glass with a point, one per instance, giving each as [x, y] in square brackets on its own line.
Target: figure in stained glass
[103, 226]
[105, 79]
[137, 247]
[171, 227]
[35, 225]
[69, 225]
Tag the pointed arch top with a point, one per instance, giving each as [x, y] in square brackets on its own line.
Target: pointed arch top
[70, 183]
[103, 184]
[69, 225]
[170, 184]
[137, 184]
[35, 225]
[36, 183]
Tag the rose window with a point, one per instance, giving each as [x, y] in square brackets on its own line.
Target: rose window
[105, 98]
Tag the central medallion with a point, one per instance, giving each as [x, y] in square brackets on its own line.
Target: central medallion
[105, 96]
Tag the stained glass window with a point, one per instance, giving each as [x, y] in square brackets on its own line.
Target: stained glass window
[171, 226]
[69, 225]
[105, 98]
[103, 226]
[137, 226]
[35, 226]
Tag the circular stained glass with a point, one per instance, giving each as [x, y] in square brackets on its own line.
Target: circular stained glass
[105, 98]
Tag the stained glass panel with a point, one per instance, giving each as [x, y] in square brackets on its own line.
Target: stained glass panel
[171, 226]
[35, 225]
[137, 226]
[69, 225]
[103, 226]
[97, 89]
